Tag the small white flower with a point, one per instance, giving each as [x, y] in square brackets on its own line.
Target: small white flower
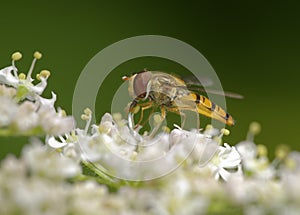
[52, 142]
[90, 198]
[46, 102]
[292, 162]
[23, 111]
[255, 161]
[53, 123]
[12, 167]
[23, 82]
[49, 164]
[26, 118]
[226, 163]
[247, 149]
[8, 109]
[5, 91]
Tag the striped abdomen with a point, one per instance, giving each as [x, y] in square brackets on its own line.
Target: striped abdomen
[210, 109]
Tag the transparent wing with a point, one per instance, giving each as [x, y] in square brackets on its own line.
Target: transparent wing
[200, 81]
[200, 85]
[216, 92]
[189, 83]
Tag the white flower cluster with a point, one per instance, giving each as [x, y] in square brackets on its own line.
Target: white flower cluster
[112, 169]
[22, 108]
[47, 180]
[115, 149]
[254, 185]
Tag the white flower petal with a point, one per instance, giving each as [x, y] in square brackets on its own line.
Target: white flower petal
[47, 102]
[40, 87]
[247, 149]
[7, 78]
[52, 142]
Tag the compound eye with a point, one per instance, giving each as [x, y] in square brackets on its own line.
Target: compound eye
[140, 83]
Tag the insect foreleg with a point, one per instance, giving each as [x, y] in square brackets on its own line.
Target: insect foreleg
[144, 106]
[183, 119]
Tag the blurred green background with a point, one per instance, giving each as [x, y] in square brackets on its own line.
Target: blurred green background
[253, 46]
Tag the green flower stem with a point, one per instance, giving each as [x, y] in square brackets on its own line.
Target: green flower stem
[114, 186]
[106, 179]
[103, 178]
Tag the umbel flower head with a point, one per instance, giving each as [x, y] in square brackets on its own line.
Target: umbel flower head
[24, 110]
[106, 168]
[112, 147]
[211, 179]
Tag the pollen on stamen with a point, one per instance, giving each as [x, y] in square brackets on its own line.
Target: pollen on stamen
[290, 163]
[22, 76]
[16, 56]
[87, 111]
[103, 129]
[255, 128]
[37, 55]
[262, 150]
[44, 74]
[166, 129]
[63, 113]
[117, 116]
[282, 151]
[134, 155]
[85, 117]
[225, 131]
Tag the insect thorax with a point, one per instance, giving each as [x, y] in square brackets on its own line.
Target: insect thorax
[160, 98]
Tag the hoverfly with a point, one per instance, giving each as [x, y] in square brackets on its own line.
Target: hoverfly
[172, 94]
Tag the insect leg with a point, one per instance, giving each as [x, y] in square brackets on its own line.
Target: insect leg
[150, 114]
[198, 121]
[157, 126]
[183, 119]
[183, 115]
[144, 106]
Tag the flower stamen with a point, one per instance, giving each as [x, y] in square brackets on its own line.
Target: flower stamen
[37, 55]
[15, 57]
[87, 116]
[254, 129]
